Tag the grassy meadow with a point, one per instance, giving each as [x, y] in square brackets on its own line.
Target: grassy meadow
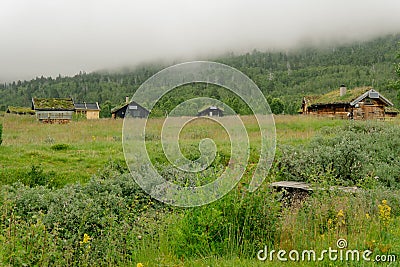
[67, 198]
[90, 144]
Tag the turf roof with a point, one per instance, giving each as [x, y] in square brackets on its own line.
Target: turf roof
[53, 103]
[115, 109]
[334, 97]
[20, 110]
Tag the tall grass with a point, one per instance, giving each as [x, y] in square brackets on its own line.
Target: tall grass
[27, 143]
[76, 204]
[124, 226]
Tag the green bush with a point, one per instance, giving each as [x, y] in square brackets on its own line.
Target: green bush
[106, 209]
[124, 225]
[356, 154]
[36, 176]
[59, 147]
[114, 211]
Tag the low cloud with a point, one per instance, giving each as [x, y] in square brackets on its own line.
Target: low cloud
[48, 38]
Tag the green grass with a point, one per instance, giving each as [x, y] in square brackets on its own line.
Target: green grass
[45, 225]
[27, 142]
[93, 143]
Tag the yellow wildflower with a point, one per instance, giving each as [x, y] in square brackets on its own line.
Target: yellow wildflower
[367, 215]
[340, 213]
[371, 245]
[330, 222]
[384, 212]
[139, 264]
[86, 239]
[340, 217]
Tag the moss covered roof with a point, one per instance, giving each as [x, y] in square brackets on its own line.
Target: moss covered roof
[20, 110]
[335, 98]
[53, 104]
[115, 109]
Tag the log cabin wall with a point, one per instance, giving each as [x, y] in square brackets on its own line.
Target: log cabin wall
[330, 110]
[370, 109]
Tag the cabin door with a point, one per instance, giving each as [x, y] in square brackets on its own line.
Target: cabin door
[368, 112]
[373, 112]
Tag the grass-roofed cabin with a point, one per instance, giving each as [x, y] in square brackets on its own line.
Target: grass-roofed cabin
[20, 110]
[90, 111]
[211, 111]
[53, 110]
[358, 103]
[132, 109]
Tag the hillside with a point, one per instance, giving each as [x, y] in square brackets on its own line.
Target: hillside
[283, 75]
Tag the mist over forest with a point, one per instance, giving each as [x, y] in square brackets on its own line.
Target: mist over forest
[284, 76]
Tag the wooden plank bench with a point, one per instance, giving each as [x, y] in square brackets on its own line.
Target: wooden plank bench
[296, 192]
[303, 186]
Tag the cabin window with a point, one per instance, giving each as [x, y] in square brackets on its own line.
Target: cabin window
[373, 94]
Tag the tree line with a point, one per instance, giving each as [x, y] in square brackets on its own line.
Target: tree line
[283, 77]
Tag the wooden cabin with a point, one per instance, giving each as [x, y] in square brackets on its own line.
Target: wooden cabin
[359, 103]
[130, 109]
[53, 110]
[20, 110]
[89, 110]
[211, 111]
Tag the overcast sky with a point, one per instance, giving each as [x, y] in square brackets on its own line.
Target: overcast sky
[51, 37]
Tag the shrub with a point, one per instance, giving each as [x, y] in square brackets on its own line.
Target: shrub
[36, 176]
[105, 209]
[355, 154]
[58, 147]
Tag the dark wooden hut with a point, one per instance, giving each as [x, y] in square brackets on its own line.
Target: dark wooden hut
[132, 109]
[211, 111]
